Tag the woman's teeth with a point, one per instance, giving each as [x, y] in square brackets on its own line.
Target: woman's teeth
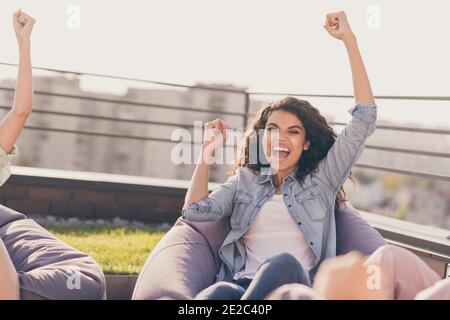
[281, 152]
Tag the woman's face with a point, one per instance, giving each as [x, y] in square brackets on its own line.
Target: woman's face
[284, 141]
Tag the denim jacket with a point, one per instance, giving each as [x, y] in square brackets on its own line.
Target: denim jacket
[311, 203]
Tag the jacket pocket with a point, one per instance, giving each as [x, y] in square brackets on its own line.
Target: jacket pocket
[241, 205]
[312, 203]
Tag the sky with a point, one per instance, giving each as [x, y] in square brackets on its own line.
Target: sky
[263, 45]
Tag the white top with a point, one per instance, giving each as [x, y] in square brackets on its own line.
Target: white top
[272, 232]
[5, 163]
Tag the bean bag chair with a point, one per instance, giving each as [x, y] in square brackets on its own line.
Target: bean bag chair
[186, 260]
[47, 267]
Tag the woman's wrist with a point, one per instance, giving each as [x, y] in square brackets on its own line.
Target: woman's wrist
[203, 158]
[24, 44]
[351, 46]
[349, 39]
[25, 54]
[203, 161]
[207, 154]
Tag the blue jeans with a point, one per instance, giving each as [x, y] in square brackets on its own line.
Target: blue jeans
[273, 273]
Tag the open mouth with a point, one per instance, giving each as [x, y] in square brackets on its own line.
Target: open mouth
[281, 153]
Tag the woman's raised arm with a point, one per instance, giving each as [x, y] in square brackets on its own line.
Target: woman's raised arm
[199, 205]
[337, 26]
[335, 167]
[14, 121]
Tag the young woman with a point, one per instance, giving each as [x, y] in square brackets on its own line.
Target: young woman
[10, 129]
[282, 217]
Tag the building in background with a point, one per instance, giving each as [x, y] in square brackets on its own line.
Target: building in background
[121, 155]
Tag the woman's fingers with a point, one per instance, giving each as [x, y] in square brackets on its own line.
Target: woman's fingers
[335, 15]
[217, 124]
[21, 17]
[337, 25]
[22, 21]
[332, 17]
[332, 21]
[26, 20]
[16, 15]
[328, 26]
[214, 129]
[224, 130]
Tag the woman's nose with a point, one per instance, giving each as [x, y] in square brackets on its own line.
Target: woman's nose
[279, 140]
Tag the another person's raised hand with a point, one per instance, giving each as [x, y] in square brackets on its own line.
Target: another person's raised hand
[23, 26]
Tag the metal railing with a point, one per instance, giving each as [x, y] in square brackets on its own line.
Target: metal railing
[245, 115]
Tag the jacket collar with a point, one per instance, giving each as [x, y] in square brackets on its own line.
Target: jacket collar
[266, 174]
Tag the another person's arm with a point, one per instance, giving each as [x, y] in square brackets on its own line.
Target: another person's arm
[334, 169]
[347, 277]
[13, 123]
[9, 281]
[199, 205]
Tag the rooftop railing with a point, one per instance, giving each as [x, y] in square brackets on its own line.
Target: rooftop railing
[245, 115]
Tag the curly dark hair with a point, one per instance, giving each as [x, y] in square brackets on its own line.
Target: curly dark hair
[319, 133]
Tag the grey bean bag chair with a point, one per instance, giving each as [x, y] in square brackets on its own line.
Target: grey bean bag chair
[47, 267]
[186, 260]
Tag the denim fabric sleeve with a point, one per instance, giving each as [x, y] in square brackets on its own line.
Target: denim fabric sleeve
[335, 167]
[5, 163]
[218, 204]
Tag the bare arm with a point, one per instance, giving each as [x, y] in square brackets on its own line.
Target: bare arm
[361, 84]
[198, 188]
[9, 281]
[13, 123]
[337, 26]
[200, 205]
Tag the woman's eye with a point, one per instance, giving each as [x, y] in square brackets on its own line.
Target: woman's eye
[294, 132]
